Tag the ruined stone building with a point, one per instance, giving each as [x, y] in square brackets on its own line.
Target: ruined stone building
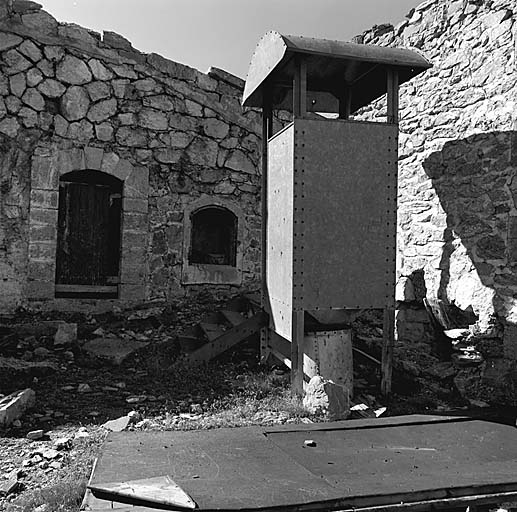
[156, 166]
[150, 165]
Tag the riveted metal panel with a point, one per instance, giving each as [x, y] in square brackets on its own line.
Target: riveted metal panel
[345, 214]
[280, 196]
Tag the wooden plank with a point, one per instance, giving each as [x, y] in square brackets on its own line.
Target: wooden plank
[229, 339]
[281, 358]
[345, 102]
[366, 355]
[161, 490]
[234, 317]
[388, 342]
[211, 331]
[280, 344]
[253, 299]
[447, 503]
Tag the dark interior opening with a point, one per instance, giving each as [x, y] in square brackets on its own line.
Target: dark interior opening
[213, 237]
[88, 238]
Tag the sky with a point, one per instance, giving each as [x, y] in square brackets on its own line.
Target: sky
[224, 33]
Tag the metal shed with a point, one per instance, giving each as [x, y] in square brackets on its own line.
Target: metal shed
[329, 185]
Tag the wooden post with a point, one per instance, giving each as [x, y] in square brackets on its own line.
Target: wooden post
[345, 103]
[300, 87]
[297, 351]
[267, 131]
[393, 96]
[297, 334]
[388, 338]
[388, 341]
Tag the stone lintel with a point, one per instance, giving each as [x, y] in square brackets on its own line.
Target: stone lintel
[211, 274]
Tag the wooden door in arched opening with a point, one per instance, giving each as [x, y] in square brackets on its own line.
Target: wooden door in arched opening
[88, 239]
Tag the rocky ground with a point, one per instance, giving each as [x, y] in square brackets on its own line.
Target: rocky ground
[152, 388]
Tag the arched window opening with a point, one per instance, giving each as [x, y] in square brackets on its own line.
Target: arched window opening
[213, 237]
[88, 238]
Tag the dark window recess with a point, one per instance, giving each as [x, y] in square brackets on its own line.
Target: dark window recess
[88, 238]
[213, 237]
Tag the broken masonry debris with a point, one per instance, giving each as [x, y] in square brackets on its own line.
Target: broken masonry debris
[63, 443]
[8, 486]
[112, 350]
[34, 435]
[13, 406]
[117, 425]
[65, 336]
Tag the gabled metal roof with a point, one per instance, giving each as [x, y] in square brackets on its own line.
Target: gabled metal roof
[330, 65]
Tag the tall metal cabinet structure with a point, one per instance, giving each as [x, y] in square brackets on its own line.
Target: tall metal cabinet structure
[329, 200]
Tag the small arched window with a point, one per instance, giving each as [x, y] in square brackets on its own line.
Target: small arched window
[213, 237]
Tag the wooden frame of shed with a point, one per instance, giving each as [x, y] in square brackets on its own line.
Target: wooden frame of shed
[329, 185]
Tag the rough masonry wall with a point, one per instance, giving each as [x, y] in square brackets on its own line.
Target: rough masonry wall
[70, 99]
[458, 164]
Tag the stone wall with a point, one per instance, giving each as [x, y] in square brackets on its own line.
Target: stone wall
[72, 99]
[458, 167]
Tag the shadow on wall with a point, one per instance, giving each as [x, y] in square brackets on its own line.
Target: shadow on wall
[476, 182]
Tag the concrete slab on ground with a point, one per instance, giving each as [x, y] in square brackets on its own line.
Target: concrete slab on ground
[113, 350]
